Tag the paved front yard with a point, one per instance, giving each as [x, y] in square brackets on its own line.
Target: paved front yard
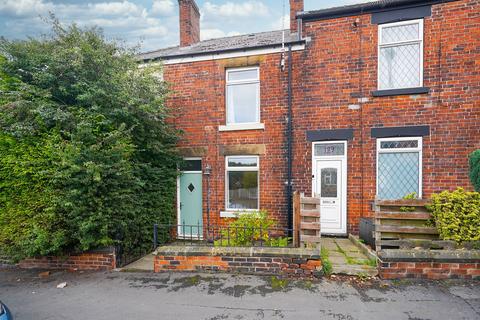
[186, 296]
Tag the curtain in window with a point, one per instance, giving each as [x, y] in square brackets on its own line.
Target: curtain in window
[400, 56]
[400, 66]
[242, 104]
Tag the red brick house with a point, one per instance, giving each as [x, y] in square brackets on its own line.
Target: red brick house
[375, 100]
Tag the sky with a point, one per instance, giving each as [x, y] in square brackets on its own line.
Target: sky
[150, 24]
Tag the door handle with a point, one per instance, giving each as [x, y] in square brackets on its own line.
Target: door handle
[181, 206]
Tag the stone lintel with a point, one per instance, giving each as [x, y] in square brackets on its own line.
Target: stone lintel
[193, 151]
[242, 149]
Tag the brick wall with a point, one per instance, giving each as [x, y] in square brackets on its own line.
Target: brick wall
[95, 260]
[428, 270]
[247, 262]
[5, 261]
[339, 67]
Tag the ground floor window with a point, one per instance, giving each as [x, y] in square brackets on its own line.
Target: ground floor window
[242, 182]
[399, 167]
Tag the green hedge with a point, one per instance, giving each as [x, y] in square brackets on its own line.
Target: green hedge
[475, 169]
[87, 157]
[457, 215]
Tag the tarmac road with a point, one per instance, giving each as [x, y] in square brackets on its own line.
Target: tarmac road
[118, 295]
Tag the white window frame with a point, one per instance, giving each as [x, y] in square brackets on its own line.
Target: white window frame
[247, 125]
[228, 169]
[418, 149]
[396, 44]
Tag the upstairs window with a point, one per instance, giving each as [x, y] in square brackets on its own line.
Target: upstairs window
[399, 167]
[400, 55]
[243, 95]
[242, 183]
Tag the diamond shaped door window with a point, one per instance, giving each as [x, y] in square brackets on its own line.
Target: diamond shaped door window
[191, 187]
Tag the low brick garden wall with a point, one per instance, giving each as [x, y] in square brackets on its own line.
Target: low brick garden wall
[294, 262]
[102, 259]
[429, 264]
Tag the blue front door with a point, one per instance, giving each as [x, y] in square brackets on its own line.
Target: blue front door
[190, 205]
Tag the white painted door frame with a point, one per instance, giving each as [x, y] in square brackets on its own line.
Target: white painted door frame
[343, 176]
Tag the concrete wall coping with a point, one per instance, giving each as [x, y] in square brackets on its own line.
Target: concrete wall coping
[415, 255]
[305, 253]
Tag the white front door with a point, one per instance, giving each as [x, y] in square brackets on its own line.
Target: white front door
[329, 174]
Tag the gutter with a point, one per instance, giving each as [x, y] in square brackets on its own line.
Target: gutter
[363, 8]
[212, 52]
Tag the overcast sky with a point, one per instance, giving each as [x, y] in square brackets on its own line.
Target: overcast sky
[151, 23]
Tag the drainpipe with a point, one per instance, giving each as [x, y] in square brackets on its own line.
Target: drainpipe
[289, 142]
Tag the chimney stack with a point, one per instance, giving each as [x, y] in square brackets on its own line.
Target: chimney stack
[295, 7]
[189, 22]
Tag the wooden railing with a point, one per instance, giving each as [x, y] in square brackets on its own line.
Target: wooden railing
[403, 223]
[306, 220]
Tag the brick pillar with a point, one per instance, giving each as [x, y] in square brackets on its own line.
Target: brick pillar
[189, 22]
[295, 6]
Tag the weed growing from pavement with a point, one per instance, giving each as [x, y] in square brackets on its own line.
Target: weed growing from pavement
[278, 284]
[327, 265]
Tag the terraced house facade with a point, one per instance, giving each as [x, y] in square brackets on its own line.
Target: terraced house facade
[354, 103]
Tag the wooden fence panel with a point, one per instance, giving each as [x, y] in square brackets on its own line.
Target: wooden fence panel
[306, 220]
[402, 223]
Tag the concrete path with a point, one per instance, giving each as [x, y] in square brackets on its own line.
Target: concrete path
[346, 258]
[143, 264]
[121, 295]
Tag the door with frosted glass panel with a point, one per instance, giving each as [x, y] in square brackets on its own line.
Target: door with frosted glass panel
[329, 189]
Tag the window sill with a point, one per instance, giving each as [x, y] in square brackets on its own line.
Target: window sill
[243, 126]
[234, 213]
[228, 214]
[398, 92]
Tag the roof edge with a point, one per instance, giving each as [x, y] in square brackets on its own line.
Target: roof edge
[364, 8]
[199, 54]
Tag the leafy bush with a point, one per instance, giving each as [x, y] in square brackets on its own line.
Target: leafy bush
[87, 158]
[249, 228]
[475, 169]
[457, 215]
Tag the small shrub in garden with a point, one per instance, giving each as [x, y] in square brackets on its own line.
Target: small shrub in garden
[249, 228]
[457, 215]
[475, 169]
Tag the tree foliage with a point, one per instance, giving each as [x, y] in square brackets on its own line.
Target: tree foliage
[86, 152]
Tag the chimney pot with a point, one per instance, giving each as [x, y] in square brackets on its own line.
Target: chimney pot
[189, 22]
